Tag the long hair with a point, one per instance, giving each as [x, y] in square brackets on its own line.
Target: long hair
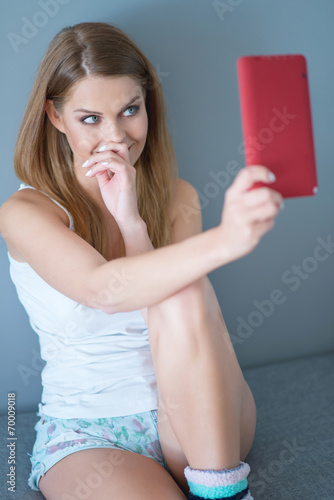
[43, 158]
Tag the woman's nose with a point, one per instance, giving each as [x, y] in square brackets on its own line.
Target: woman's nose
[113, 131]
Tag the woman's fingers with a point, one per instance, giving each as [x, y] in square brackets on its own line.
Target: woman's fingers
[261, 195]
[248, 213]
[255, 205]
[248, 216]
[108, 160]
[260, 213]
[120, 148]
[104, 166]
[247, 177]
[126, 173]
[100, 158]
[108, 152]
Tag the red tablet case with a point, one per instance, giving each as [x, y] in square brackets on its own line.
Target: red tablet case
[277, 122]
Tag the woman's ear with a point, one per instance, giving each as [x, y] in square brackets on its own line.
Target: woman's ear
[53, 116]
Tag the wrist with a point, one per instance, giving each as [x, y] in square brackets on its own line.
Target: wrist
[220, 253]
[136, 239]
[131, 227]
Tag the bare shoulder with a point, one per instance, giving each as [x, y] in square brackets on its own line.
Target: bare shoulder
[36, 231]
[22, 212]
[184, 194]
[186, 215]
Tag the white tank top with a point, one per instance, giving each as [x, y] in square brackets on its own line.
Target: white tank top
[98, 365]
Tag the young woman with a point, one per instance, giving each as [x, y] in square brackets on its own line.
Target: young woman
[143, 396]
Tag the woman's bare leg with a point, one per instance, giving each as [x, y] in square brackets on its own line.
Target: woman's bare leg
[108, 474]
[203, 393]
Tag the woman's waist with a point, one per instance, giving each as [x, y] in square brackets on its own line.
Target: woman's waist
[90, 371]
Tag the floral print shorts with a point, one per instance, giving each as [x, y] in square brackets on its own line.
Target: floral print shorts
[56, 438]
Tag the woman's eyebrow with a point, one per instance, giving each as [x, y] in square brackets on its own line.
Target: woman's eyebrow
[82, 110]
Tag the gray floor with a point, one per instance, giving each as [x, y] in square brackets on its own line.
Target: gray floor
[293, 452]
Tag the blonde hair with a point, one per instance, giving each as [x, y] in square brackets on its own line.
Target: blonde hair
[43, 158]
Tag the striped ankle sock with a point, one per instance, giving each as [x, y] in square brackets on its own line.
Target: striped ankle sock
[226, 484]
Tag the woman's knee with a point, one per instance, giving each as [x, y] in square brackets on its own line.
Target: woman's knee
[189, 303]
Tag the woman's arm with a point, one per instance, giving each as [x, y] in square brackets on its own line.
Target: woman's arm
[184, 195]
[136, 239]
[32, 224]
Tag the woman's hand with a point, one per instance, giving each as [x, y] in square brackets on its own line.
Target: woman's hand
[248, 214]
[117, 181]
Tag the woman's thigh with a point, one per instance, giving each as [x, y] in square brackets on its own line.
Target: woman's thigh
[108, 474]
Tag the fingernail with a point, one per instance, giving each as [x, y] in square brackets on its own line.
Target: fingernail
[105, 163]
[89, 172]
[86, 163]
[272, 177]
[102, 148]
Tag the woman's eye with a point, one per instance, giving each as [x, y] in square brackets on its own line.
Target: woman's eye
[90, 119]
[133, 110]
[93, 119]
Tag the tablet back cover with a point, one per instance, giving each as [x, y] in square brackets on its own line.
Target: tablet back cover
[277, 122]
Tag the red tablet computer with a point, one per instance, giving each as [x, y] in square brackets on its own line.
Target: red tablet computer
[277, 121]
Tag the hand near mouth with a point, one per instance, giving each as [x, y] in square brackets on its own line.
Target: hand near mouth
[110, 163]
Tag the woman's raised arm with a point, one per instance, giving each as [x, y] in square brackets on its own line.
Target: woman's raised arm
[35, 229]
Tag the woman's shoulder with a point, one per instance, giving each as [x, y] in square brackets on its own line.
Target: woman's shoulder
[25, 201]
[25, 207]
[186, 211]
[183, 194]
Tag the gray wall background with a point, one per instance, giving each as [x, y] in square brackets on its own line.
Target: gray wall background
[194, 45]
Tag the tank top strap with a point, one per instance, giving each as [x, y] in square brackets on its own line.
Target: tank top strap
[70, 218]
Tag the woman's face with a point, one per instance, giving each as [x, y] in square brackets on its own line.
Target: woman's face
[100, 110]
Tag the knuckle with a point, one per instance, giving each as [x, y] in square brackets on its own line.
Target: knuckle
[267, 195]
[272, 210]
[245, 175]
[250, 172]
